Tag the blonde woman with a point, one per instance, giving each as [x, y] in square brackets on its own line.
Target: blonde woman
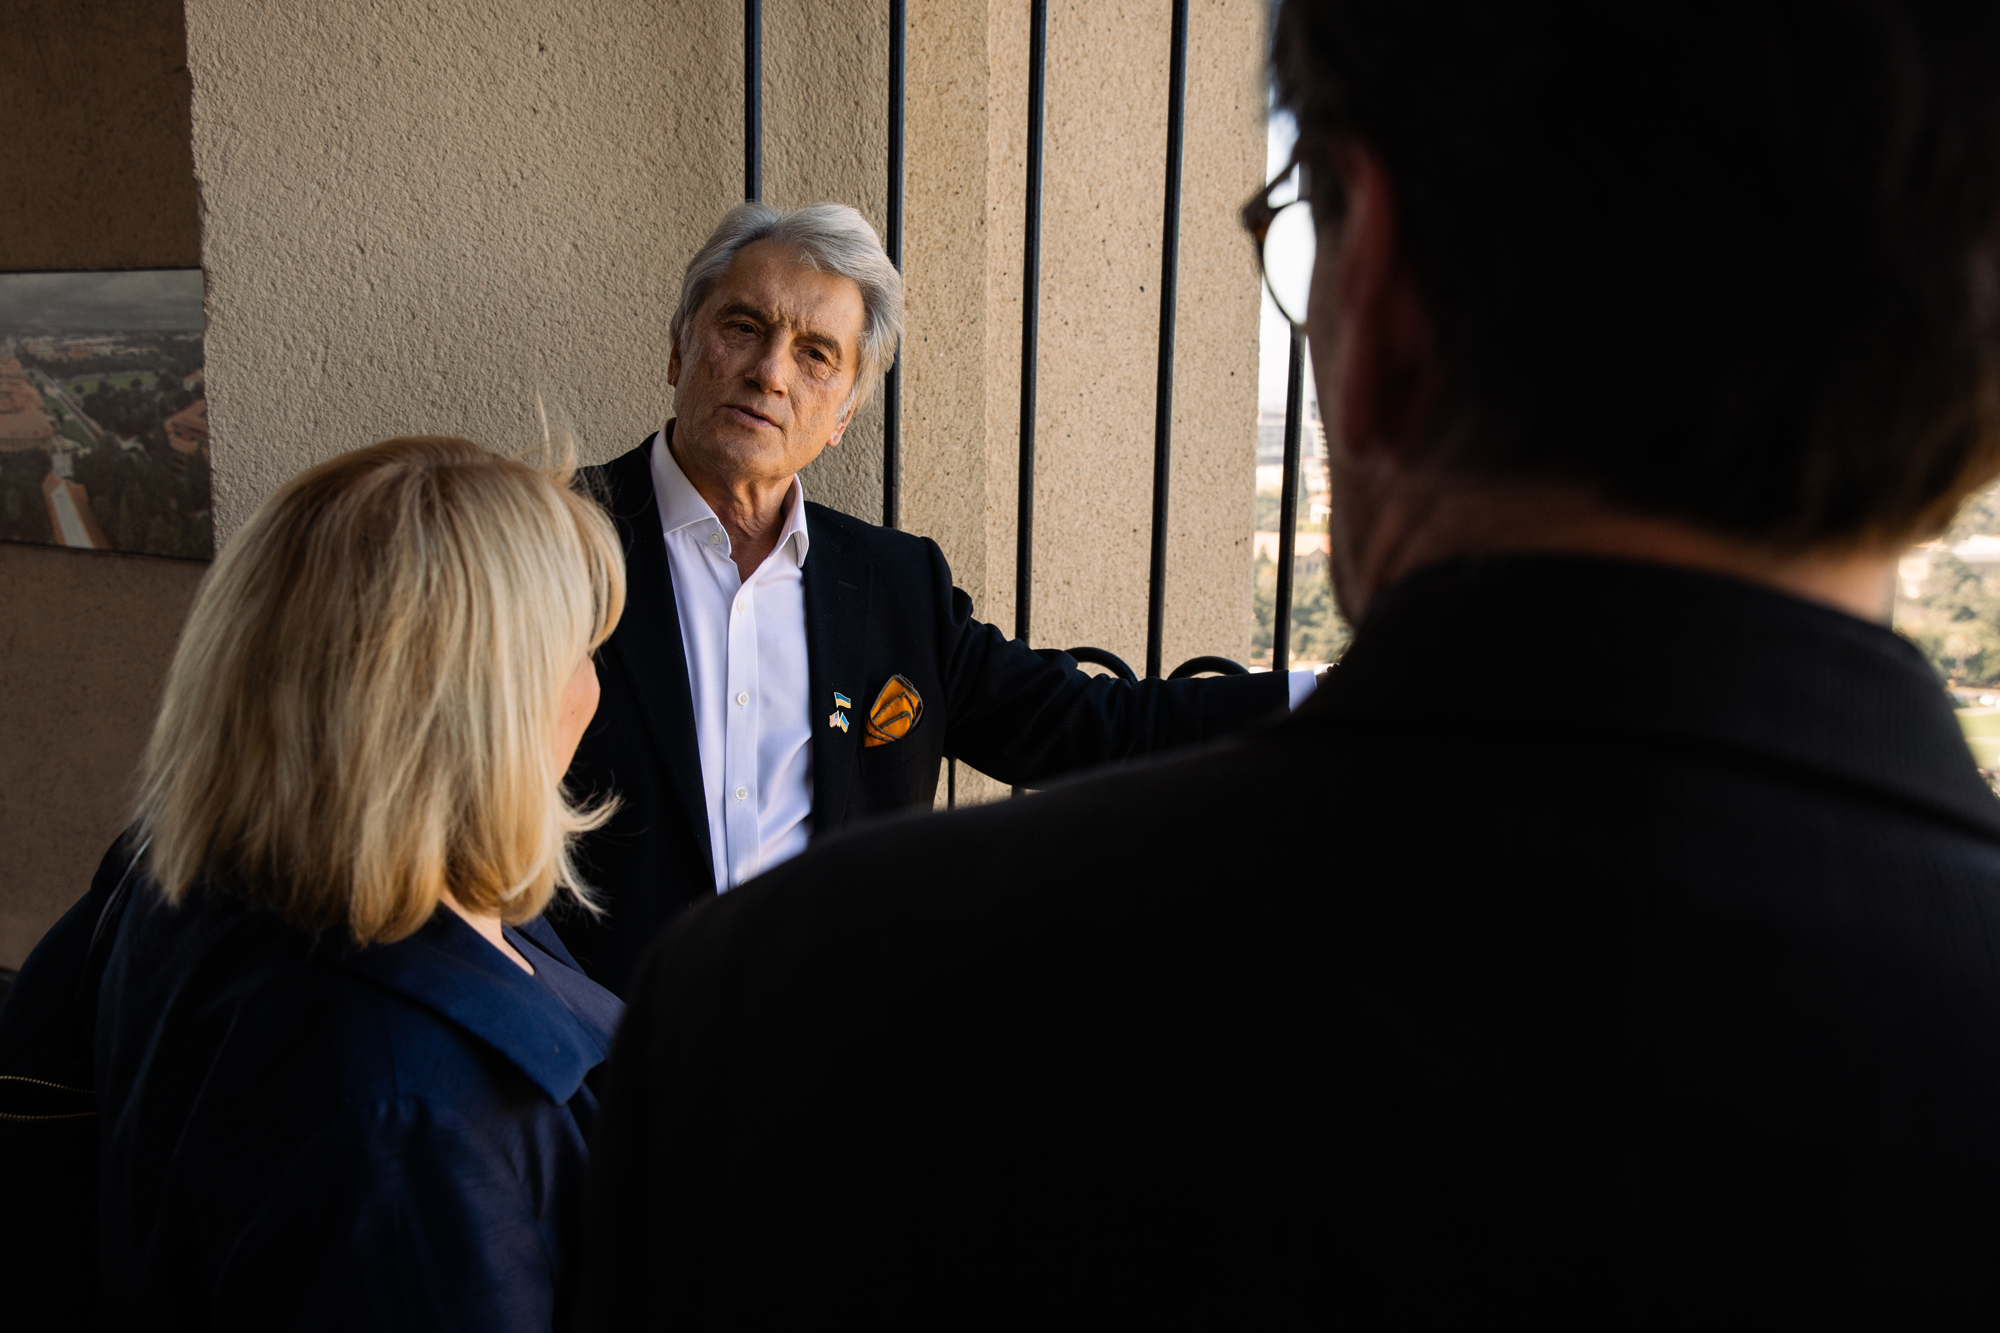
[340, 1061]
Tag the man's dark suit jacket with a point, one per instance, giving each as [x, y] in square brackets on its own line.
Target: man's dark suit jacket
[1602, 938]
[878, 603]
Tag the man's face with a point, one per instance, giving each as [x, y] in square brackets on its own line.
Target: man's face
[763, 382]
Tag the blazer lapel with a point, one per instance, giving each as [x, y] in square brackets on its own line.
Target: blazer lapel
[836, 596]
[647, 646]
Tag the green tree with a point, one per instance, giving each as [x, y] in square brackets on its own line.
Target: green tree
[1267, 513]
[1318, 634]
[1956, 621]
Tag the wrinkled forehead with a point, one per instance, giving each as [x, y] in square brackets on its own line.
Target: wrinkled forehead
[781, 285]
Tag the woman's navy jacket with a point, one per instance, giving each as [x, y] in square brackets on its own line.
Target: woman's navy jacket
[300, 1134]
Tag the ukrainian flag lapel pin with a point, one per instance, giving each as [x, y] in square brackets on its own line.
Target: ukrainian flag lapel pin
[839, 719]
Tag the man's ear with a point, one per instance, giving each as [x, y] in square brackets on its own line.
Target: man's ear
[674, 365]
[1385, 368]
[846, 420]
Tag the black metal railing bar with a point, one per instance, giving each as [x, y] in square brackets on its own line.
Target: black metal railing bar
[1031, 309]
[1031, 312]
[753, 99]
[892, 383]
[1163, 401]
[1288, 501]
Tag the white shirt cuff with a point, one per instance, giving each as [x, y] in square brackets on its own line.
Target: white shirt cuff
[1303, 684]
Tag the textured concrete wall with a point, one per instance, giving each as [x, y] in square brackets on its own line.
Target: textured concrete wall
[85, 640]
[418, 215]
[97, 174]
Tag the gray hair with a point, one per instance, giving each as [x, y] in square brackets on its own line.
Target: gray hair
[833, 238]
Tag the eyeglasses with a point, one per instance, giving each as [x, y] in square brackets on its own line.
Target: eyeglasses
[1286, 241]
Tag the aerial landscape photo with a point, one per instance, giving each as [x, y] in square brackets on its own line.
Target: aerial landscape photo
[103, 412]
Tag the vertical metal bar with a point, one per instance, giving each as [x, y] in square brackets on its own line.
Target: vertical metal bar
[1163, 401]
[1288, 502]
[1031, 313]
[892, 384]
[1031, 300]
[753, 99]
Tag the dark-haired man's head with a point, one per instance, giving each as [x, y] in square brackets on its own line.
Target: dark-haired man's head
[1716, 283]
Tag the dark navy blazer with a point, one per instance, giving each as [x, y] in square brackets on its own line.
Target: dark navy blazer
[300, 1134]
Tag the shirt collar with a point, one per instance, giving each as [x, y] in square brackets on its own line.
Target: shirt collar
[681, 505]
[449, 969]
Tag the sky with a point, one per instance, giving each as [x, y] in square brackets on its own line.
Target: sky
[123, 301]
[1274, 337]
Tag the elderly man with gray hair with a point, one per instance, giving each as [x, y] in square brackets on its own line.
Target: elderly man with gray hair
[784, 670]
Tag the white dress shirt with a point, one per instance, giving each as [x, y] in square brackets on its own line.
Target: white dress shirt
[747, 669]
[746, 660]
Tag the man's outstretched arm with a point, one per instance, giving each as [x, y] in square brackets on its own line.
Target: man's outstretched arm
[1028, 716]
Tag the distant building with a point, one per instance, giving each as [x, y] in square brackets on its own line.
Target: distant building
[1271, 436]
[69, 511]
[1264, 545]
[187, 429]
[192, 380]
[1271, 451]
[23, 423]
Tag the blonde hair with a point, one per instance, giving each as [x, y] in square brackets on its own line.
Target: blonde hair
[362, 710]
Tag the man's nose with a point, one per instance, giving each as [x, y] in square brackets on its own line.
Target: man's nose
[767, 373]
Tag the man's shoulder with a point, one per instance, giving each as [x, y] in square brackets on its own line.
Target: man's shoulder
[885, 549]
[862, 537]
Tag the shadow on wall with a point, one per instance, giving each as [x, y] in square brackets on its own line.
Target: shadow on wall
[87, 642]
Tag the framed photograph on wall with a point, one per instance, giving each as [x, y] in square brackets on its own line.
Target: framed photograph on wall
[104, 413]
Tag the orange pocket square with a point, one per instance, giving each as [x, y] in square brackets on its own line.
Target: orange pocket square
[896, 710]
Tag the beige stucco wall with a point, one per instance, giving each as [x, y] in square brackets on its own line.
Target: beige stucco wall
[418, 216]
[85, 639]
[96, 175]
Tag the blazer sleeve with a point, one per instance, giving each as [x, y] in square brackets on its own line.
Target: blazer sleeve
[1028, 716]
[394, 1217]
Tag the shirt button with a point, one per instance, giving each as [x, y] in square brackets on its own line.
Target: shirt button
[715, 539]
[743, 604]
[742, 793]
[742, 699]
